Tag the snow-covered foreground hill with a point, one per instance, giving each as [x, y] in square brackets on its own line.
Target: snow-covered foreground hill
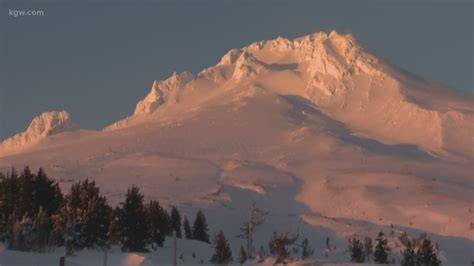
[319, 132]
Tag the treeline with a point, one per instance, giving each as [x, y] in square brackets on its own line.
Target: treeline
[35, 216]
[416, 251]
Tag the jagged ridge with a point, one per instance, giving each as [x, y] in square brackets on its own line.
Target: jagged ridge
[334, 55]
[42, 126]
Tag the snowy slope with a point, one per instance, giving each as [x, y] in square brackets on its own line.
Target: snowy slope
[317, 130]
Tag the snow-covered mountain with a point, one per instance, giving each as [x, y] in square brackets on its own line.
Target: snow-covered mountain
[43, 126]
[317, 130]
[345, 81]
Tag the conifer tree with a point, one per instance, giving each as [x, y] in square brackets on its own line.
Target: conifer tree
[222, 253]
[26, 205]
[20, 235]
[46, 193]
[328, 247]
[41, 229]
[368, 249]
[409, 257]
[278, 246]
[356, 249]
[158, 223]
[113, 232]
[26, 190]
[30, 233]
[9, 188]
[307, 250]
[200, 229]
[242, 255]
[176, 222]
[427, 254]
[165, 222]
[133, 222]
[188, 234]
[91, 215]
[381, 249]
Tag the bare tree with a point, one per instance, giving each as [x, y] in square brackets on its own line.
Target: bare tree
[257, 217]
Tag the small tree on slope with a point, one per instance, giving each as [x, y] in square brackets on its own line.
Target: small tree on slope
[176, 222]
[307, 250]
[356, 249]
[157, 227]
[381, 249]
[86, 213]
[134, 225]
[200, 229]
[426, 254]
[242, 255]
[409, 254]
[188, 234]
[278, 246]
[222, 254]
[368, 249]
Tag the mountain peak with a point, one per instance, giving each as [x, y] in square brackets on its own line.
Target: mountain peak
[324, 59]
[161, 90]
[42, 126]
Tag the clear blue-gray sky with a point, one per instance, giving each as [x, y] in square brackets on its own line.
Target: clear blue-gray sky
[96, 59]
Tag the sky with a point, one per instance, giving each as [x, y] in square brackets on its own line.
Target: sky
[97, 59]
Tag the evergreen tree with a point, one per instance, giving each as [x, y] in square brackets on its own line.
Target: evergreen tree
[200, 229]
[19, 234]
[89, 213]
[25, 201]
[356, 249]
[113, 233]
[242, 255]
[41, 229]
[409, 257]
[307, 250]
[158, 223]
[176, 222]
[381, 249]
[33, 232]
[46, 193]
[95, 223]
[368, 248]
[70, 236]
[26, 205]
[328, 247]
[30, 233]
[188, 234]
[165, 222]
[278, 246]
[427, 254]
[9, 188]
[222, 254]
[59, 224]
[133, 222]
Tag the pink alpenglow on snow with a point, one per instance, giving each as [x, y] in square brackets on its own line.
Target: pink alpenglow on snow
[318, 131]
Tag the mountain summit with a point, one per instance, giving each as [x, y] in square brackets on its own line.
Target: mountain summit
[341, 78]
[41, 127]
[323, 60]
